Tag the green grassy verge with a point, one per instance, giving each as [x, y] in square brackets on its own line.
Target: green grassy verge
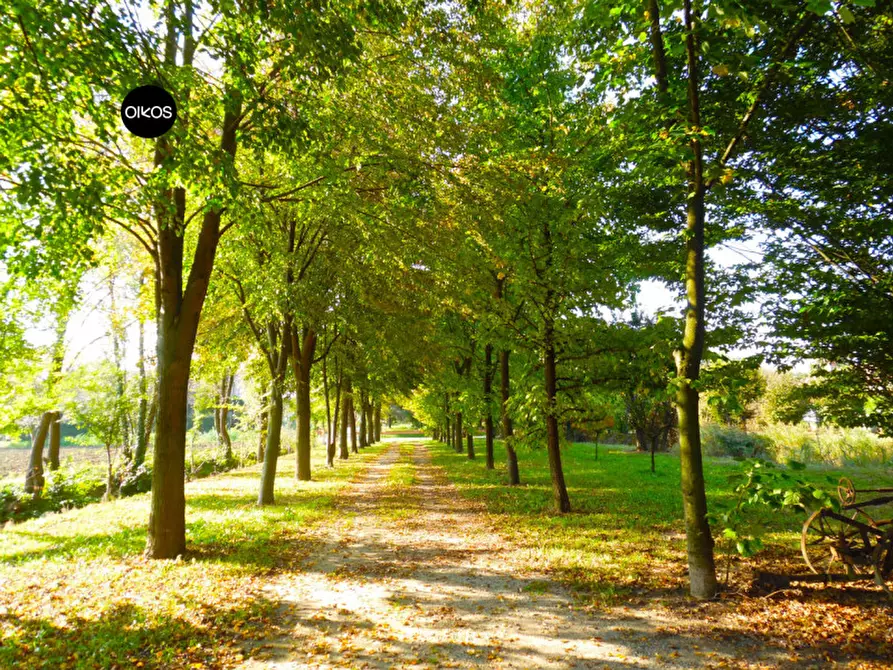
[77, 592]
[625, 532]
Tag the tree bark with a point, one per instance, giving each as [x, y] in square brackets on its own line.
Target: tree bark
[222, 415]
[488, 404]
[559, 488]
[271, 452]
[34, 476]
[142, 434]
[55, 442]
[352, 417]
[376, 421]
[448, 432]
[342, 442]
[262, 438]
[370, 428]
[178, 311]
[469, 437]
[330, 451]
[167, 520]
[363, 441]
[55, 371]
[457, 437]
[325, 395]
[303, 351]
[505, 392]
[701, 567]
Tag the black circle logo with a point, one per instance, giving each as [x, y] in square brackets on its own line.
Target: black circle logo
[148, 111]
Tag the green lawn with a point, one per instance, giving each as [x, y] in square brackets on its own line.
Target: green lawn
[625, 532]
[76, 592]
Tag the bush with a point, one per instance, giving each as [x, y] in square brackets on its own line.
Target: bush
[136, 481]
[64, 489]
[719, 440]
[68, 488]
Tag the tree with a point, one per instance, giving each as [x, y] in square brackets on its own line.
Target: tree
[825, 205]
[96, 405]
[687, 152]
[156, 191]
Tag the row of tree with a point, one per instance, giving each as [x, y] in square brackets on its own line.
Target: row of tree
[361, 199]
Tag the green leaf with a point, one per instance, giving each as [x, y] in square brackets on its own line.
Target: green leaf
[846, 15]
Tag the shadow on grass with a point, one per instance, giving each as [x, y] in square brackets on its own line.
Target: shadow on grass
[125, 636]
[125, 542]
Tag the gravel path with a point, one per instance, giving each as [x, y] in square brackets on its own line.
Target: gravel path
[414, 577]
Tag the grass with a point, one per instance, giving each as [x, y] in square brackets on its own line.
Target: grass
[76, 592]
[625, 533]
[398, 501]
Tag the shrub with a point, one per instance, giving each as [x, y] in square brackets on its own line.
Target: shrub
[136, 481]
[830, 445]
[65, 489]
[719, 440]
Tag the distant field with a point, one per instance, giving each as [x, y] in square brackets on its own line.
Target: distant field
[14, 460]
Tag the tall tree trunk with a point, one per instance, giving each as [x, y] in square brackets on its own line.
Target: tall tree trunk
[271, 453]
[62, 319]
[701, 567]
[34, 476]
[457, 438]
[448, 430]
[304, 350]
[331, 447]
[150, 426]
[262, 434]
[342, 439]
[352, 418]
[363, 441]
[505, 392]
[226, 390]
[142, 434]
[370, 428]
[507, 429]
[325, 394]
[376, 421]
[488, 404]
[559, 488]
[177, 312]
[120, 375]
[167, 520]
[469, 437]
[55, 442]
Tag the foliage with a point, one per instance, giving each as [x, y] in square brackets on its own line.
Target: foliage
[64, 489]
[719, 440]
[733, 388]
[762, 484]
[786, 399]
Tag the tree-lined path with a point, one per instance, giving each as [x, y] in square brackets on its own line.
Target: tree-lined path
[619, 274]
[413, 575]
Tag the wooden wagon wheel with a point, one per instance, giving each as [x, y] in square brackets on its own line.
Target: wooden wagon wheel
[846, 491]
[825, 540]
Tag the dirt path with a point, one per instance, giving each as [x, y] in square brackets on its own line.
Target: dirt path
[412, 577]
